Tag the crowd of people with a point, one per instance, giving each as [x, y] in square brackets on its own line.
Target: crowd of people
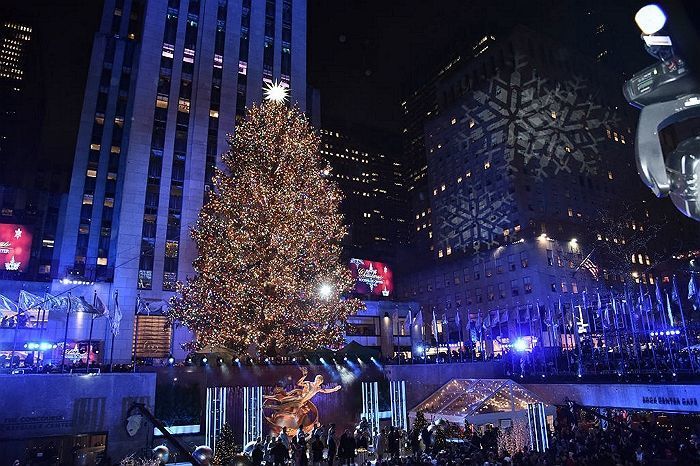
[574, 441]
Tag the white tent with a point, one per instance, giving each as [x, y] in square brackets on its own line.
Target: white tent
[480, 401]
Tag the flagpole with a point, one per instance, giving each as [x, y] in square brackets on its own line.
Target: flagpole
[111, 347]
[685, 329]
[650, 328]
[65, 336]
[668, 340]
[92, 323]
[633, 328]
[136, 330]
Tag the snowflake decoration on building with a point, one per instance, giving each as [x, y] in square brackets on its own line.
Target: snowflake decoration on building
[551, 127]
[473, 221]
[18, 233]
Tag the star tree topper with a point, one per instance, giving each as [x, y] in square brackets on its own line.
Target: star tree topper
[275, 92]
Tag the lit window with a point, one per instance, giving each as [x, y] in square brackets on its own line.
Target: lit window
[471, 123]
[214, 113]
[487, 165]
[570, 212]
[183, 106]
[610, 175]
[459, 180]
[91, 173]
[449, 250]
[94, 147]
[101, 261]
[554, 114]
[454, 120]
[646, 260]
[468, 174]
[435, 192]
[162, 101]
[109, 202]
[440, 254]
[87, 199]
[115, 149]
[442, 188]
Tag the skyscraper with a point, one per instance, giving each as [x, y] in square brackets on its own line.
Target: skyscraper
[15, 38]
[370, 179]
[167, 81]
[524, 146]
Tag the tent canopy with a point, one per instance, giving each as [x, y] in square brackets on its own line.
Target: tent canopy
[472, 397]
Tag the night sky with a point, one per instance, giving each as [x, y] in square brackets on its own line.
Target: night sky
[363, 55]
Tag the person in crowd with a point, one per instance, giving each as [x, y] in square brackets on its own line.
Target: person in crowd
[316, 450]
[346, 448]
[299, 449]
[379, 444]
[280, 453]
[394, 442]
[284, 438]
[257, 454]
[331, 445]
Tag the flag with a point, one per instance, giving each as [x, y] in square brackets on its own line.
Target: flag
[81, 305]
[51, 302]
[100, 307]
[675, 295]
[7, 305]
[434, 325]
[599, 308]
[589, 265]
[142, 307]
[457, 320]
[117, 318]
[419, 320]
[408, 322]
[659, 299]
[694, 292]
[29, 301]
[668, 308]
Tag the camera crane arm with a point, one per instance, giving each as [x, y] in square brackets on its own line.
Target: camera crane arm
[145, 412]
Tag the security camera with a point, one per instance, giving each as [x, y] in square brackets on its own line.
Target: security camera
[667, 93]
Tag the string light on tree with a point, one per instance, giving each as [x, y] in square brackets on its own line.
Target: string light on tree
[269, 276]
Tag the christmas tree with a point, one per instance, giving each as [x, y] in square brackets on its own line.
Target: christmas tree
[226, 448]
[269, 278]
[420, 423]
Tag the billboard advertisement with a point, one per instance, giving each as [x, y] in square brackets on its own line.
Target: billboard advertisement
[15, 247]
[372, 278]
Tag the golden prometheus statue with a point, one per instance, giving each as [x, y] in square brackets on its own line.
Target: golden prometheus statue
[294, 409]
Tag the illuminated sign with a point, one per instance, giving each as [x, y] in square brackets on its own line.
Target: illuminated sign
[371, 277]
[15, 246]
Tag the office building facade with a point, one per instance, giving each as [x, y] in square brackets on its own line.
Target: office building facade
[373, 205]
[167, 82]
[524, 148]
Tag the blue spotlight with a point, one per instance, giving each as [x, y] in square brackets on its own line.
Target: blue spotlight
[323, 361]
[520, 345]
[205, 360]
[171, 360]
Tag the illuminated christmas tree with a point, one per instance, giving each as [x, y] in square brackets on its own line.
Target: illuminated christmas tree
[269, 277]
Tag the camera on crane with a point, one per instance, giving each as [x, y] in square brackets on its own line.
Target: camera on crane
[667, 93]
